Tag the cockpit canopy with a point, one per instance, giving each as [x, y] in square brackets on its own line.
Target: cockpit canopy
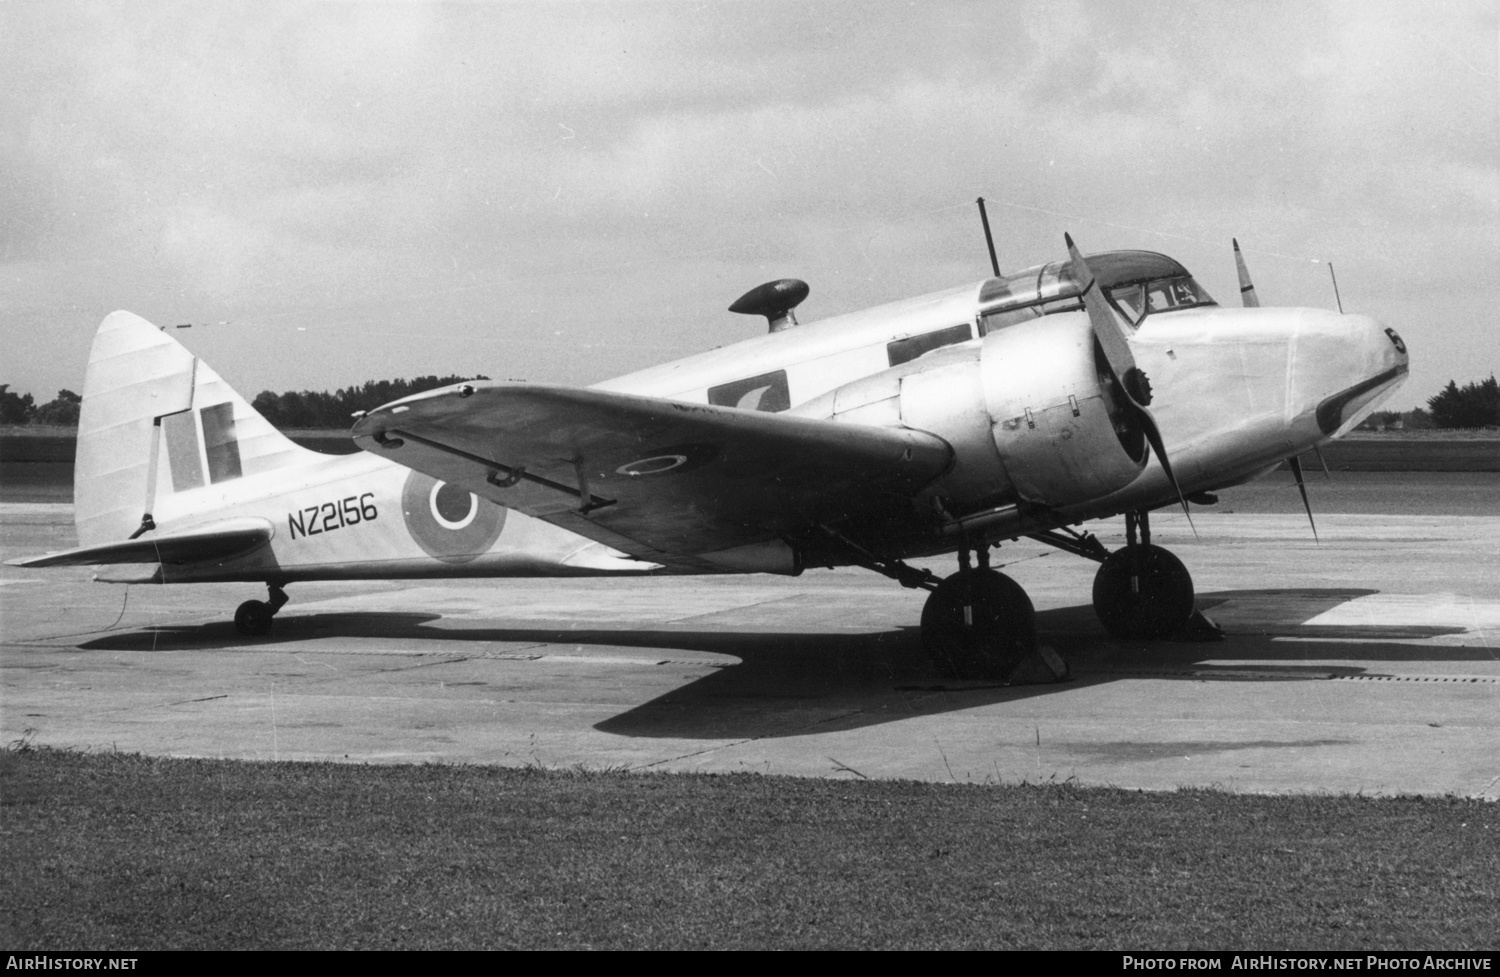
[1137, 283]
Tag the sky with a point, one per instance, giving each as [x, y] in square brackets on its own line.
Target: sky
[332, 193]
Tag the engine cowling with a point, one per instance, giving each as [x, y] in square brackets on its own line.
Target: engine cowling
[1058, 417]
[1032, 411]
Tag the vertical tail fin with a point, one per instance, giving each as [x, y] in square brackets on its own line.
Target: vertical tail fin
[157, 424]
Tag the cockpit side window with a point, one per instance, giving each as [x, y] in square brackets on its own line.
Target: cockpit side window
[1175, 293]
[1130, 301]
[1137, 300]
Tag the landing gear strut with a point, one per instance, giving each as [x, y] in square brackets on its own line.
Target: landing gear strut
[978, 623]
[1142, 591]
[253, 617]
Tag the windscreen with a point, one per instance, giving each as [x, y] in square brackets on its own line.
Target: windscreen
[1137, 300]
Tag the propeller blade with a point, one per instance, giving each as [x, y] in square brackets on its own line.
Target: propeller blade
[1247, 288]
[1328, 475]
[1296, 465]
[1148, 424]
[1121, 360]
[1250, 300]
[1107, 329]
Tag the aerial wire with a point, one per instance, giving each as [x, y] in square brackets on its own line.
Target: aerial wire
[1149, 230]
[346, 310]
[110, 627]
[1336, 297]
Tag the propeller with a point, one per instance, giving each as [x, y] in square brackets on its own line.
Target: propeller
[1249, 300]
[1247, 288]
[1121, 361]
[1327, 475]
[1296, 463]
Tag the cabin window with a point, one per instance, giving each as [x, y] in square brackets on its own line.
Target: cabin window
[906, 350]
[995, 321]
[767, 392]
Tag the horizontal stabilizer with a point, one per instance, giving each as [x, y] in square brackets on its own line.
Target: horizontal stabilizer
[219, 540]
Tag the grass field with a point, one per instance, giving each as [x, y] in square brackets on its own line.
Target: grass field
[115, 851]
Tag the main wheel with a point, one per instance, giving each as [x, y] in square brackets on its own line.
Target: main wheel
[1143, 592]
[253, 618]
[978, 624]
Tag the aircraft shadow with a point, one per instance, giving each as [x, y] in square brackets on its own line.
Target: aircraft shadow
[221, 635]
[788, 683]
[738, 702]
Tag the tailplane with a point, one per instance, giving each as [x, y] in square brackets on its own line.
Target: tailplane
[156, 426]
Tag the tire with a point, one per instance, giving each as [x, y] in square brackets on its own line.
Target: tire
[1161, 604]
[253, 618]
[1001, 629]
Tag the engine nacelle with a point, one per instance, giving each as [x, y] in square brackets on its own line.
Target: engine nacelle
[1059, 418]
[1032, 411]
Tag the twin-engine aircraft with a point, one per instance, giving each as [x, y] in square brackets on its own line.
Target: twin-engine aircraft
[1023, 405]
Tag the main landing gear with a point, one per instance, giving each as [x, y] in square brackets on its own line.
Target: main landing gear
[1143, 591]
[253, 617]
[979, 623]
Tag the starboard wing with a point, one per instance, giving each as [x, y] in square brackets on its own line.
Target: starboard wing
[653, 477]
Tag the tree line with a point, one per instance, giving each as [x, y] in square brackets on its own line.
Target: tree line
[1469, 406]
[291, 410]
[1472, 405]
[320, 409]
[22, 409]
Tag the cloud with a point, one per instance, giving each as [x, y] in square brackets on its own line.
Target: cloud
[505, 168]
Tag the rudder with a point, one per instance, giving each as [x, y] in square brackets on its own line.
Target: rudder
[157, 421]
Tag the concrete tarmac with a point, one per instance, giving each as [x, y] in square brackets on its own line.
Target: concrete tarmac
[1367, 662]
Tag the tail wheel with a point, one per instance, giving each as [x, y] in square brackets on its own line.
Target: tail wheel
[978, 624]
[253, 618]
[1143, 591]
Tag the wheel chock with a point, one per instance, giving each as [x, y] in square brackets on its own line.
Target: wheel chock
[1198, 627]
[1042, 667]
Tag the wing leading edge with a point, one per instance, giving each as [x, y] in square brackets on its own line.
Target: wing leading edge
[655, 478]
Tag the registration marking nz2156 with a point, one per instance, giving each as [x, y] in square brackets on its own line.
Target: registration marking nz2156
[328, 516]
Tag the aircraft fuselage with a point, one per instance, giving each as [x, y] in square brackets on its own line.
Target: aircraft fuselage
[1004, 370]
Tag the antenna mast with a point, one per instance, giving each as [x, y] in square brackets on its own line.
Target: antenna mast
[988, 241]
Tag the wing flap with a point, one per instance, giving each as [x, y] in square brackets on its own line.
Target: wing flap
[652, 477]
[220, 540]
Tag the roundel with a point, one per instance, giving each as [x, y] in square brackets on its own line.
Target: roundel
[679, 458]
[447, 522]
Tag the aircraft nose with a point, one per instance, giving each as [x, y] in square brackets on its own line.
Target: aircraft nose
[1366, 362]
[1383, 345]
